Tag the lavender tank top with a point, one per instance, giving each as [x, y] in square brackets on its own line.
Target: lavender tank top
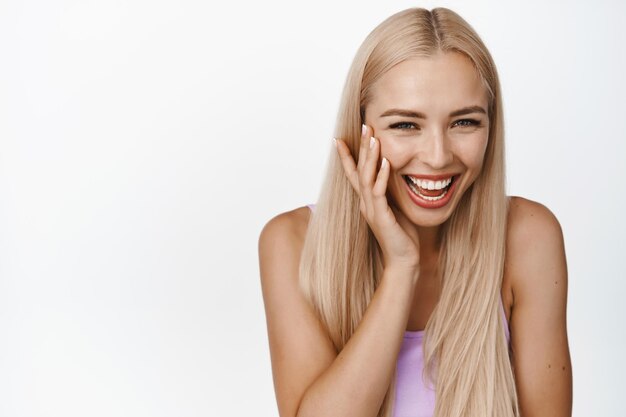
[414, 396]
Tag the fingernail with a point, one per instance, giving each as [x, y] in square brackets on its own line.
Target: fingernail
[335, 142]
[384, 163]
[363, 129]
[372, 142]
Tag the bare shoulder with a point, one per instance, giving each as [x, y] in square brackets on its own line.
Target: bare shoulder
[534, 240]
[530, 221]
[300, 348]
[287, 228]
[534, 244]
[536, 268]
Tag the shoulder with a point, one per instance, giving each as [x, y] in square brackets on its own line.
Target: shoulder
[530, 221]
[536, 267]
[280, 243]
[535, 252]
[300, 348]
[288, 228]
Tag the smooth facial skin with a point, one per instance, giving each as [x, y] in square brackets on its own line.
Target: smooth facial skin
[432, 142]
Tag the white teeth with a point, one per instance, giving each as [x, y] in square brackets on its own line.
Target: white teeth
[426, 197]
[430, 185]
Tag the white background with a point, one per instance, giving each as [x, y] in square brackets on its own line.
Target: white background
[144, 144]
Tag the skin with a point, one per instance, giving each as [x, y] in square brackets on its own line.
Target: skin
[435, 144]
[310, 377]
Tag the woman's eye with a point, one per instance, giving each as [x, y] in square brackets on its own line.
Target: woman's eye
[467, 123]
[403, 126]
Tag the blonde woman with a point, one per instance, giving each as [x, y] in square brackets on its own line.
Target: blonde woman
[415, 286]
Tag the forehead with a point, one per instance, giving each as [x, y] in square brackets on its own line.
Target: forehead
[432, 85]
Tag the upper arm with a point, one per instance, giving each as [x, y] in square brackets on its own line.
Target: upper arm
[537, 269]
[300, 349]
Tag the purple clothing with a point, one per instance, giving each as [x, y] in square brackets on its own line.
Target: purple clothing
[414, 398]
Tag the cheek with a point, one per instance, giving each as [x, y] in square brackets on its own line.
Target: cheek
[397, 154]
[472, 152]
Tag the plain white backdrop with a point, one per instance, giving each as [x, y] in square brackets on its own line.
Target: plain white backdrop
[144, 144]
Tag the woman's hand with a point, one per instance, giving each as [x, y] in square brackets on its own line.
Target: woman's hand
[396, 235]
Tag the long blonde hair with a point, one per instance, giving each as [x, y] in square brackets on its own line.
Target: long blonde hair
[466, 354]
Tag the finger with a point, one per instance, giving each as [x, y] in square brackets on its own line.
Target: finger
[348, 164]
[368, 173]
[363, 146]
[361, 162]
[379, 190]
[371, 158]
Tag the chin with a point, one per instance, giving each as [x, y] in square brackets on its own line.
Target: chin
[428, 220]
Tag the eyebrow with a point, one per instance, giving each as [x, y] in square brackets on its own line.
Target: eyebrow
[418, 115]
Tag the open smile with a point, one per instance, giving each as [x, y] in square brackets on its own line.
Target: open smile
[429, 193]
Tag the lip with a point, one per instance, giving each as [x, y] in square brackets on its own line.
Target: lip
[433, 204]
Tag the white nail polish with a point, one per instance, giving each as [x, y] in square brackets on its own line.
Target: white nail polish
[372, 142]
[363, 129]
[384, 163]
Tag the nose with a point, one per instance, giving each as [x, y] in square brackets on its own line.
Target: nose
[436, 151]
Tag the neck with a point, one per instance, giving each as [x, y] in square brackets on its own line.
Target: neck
[430, 244]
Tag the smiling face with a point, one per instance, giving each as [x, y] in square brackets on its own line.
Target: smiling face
[430, 115]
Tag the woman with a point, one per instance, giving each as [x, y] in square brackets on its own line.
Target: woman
[397, 296]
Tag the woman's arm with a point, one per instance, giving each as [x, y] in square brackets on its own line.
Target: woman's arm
[310, 379]
[537, 270]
